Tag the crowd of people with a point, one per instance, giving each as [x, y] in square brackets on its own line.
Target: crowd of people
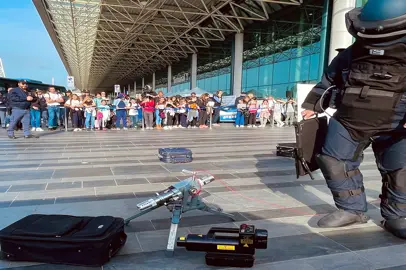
[150, 111]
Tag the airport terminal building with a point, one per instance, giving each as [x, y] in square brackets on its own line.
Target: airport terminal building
[263, 46]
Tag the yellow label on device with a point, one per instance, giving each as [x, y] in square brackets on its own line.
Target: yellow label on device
[182, 238]
[222, 247]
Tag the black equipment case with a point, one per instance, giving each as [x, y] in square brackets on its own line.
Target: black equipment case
[286, 150]
[310, 136]
[61, 239]
[175, 155]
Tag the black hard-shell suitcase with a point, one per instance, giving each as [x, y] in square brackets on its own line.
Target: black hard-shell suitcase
[175, 155]
[61, 239]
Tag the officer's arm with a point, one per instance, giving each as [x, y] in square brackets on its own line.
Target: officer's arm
[312, 101]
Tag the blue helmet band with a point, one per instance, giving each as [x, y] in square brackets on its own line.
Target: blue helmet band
[385, 29]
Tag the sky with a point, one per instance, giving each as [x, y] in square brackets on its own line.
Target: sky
[26, 49]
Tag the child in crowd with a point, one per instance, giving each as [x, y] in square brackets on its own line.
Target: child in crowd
[252, 108]
[160, 113]
[176, 120]
[192, 116]
[35, 113]
[170, 115]
[133, 113]
[111, 124]
[241, 107]
[202, 103]
[105, 110]
[99, 118]
[90, 112]
[182, 113]
[75, 109]
[265, 113]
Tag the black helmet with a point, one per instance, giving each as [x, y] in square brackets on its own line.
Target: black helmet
[378, 20]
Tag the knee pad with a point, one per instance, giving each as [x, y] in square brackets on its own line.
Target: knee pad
[396, 226]
[396, 182]
[334, 169]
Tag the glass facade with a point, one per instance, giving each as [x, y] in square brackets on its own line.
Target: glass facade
[215, 80]
[275, 74]
[361, 3]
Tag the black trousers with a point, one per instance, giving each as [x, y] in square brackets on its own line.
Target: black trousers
[203, 117]
[194, 122]
[169, 119]
[252, 119]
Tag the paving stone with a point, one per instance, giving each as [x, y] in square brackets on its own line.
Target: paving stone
[18, 188]
[364, 238]
[18, 203]
[133, 170]
[5, 204]
[125, 182]
[64, 185]
[399, 267]
[385, 257]
[64, 173]
[162, 224]
[156, 240]
[4, 188]
[348, 260]
[162, 179]
[289, 212]
[104, 183]
[26, 175]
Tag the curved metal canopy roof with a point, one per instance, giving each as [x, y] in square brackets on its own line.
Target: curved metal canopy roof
[104, 42]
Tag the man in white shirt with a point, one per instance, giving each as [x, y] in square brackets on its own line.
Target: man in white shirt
[53, 100]
[271, 102]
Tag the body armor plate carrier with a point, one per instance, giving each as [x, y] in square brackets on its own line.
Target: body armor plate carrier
[375, 86]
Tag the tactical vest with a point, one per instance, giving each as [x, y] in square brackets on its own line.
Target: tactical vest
[375, 86]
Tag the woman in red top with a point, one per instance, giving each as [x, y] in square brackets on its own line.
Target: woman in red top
[148, 109]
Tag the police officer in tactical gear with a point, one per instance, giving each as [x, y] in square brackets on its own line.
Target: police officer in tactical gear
[369, 79]
[148, 91]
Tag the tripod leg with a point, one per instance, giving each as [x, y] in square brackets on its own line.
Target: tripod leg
[127, 220]
[176, 214]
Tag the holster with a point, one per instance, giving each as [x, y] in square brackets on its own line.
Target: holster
[310, 137]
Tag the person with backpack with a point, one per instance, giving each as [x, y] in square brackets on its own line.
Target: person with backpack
[366, 83]
[121, 107]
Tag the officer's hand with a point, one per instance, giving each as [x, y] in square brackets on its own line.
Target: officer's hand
[308, 114]
[29, 98]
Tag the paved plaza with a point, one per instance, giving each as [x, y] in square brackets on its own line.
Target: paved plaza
[108, 173]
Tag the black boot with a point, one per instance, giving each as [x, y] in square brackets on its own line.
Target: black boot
[341, 218]
[396, 226]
